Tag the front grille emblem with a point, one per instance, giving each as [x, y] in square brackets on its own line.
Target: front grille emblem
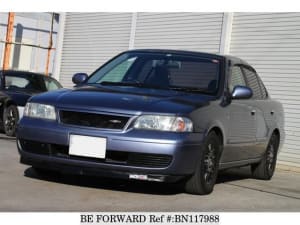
[115, 121]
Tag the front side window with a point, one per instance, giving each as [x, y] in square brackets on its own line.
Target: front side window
[166, 71]
[236, 78]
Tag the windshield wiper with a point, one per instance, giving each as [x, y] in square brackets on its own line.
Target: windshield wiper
[135, 84]
[189, 89]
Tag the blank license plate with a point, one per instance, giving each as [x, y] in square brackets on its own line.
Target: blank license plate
[94, 147]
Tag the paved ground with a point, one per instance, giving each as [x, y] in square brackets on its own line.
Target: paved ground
[23, 190]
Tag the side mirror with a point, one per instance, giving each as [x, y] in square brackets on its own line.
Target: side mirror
[241, 92]
[79, 78]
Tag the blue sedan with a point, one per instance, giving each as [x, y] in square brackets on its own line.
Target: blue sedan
[156, 115]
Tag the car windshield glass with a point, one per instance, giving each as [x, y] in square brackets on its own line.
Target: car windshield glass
[24, 83]
[162, 71]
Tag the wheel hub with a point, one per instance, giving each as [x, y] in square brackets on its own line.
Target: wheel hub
[209, 163]
[10, 121]
[270, 157]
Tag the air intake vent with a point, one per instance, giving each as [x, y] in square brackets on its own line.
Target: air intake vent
[149, 160]
[112, 157]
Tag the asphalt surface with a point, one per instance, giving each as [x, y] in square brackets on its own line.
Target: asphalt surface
[21, 189]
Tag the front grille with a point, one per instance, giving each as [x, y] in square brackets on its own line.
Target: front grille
[112, 157]
[93, 120]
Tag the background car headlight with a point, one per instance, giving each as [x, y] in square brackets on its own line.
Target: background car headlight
[164, 123]
[42, 111]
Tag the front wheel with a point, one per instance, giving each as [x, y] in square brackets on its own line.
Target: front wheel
[264, 170]
[203, 180]
[10, 120]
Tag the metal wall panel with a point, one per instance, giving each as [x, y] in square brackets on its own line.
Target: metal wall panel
[90, 39]
[187, 31]
[270, 42]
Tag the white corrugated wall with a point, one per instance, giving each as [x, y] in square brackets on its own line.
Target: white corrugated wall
[90, 39]
[187, 31]
[271, 43]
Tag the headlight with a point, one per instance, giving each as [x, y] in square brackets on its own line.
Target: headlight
[164, 123]
[42, 111]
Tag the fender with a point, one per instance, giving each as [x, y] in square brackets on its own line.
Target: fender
[217, 124]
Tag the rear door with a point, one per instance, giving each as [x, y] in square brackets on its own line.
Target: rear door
[260, 104]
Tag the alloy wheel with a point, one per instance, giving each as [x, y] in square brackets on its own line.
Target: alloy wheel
[209, 163]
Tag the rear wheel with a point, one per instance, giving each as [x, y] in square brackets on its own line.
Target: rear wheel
[10, 120]
[203, 180]
[264, 170]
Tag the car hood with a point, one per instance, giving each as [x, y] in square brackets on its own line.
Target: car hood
[127, 100]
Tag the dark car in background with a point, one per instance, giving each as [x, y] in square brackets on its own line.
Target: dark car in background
[156, 115]
[16, 87]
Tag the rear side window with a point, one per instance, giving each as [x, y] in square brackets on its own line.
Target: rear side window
[253, 83]
[236, 78]
[263, 89]
[51, 84]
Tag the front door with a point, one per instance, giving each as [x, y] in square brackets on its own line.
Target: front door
[242, 123]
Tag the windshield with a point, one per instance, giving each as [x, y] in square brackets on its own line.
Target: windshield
[164, 71]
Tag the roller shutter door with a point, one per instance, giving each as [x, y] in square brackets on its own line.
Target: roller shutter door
[90, 39]
[271, 43]
[187, 31]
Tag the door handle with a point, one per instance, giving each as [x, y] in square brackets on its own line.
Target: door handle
[272, 112]
[253, 112]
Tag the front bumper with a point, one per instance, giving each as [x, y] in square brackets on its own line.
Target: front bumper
[183, 150]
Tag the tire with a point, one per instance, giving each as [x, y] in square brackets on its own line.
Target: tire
[10, 120]
[203, 180]
[264, 170]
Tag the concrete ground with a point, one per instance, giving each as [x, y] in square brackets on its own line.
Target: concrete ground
[21, 189]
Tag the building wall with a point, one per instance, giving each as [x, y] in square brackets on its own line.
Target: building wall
[187, 31]
[90, 39]
[268, 41]
[29, 28]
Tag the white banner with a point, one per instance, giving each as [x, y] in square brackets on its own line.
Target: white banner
[136, 218]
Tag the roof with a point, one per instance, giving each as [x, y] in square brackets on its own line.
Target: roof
[182, 52]
[193, 53]
[20, 72]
